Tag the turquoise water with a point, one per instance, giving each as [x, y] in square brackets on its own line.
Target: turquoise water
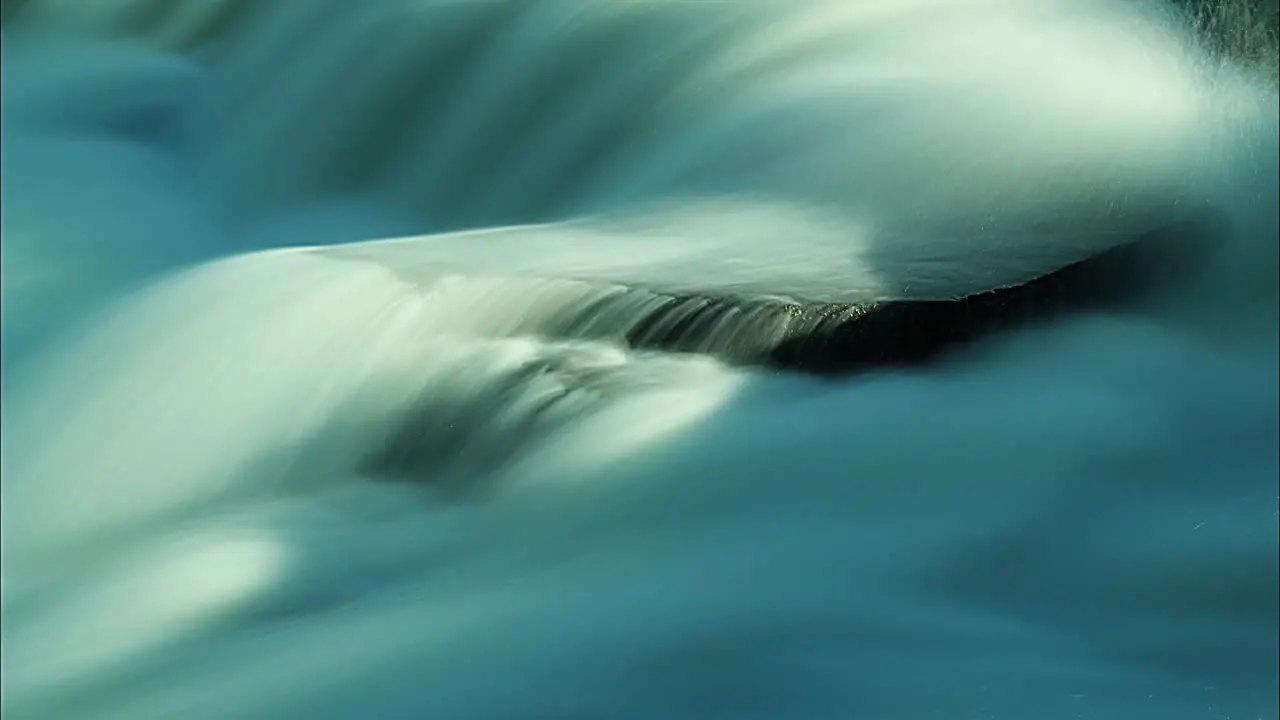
[257, 466]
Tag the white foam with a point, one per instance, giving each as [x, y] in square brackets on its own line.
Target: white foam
[352, 479]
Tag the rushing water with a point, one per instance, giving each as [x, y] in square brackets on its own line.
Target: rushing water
[260, 463]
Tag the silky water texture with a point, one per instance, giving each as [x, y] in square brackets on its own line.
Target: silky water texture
[293, 426]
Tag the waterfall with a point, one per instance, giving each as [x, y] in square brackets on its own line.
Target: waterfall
[489, 359]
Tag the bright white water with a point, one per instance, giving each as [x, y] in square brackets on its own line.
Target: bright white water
[251, 473]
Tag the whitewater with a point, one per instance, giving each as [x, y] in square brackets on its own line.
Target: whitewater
[417, 359]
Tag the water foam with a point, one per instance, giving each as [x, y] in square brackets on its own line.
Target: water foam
[423, 476]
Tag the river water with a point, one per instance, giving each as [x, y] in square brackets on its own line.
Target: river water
[317, 403]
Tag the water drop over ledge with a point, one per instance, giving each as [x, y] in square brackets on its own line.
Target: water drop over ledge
[541, 461]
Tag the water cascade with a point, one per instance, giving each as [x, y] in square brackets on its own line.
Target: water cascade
[483, 359]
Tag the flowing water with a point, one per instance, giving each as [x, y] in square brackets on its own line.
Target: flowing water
[397, 359]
